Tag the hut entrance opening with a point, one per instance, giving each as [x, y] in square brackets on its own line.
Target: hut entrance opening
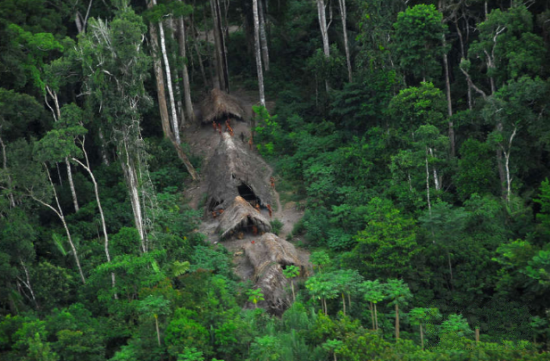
[248, 194]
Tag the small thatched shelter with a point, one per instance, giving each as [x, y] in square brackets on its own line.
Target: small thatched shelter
[269, 255]
[219, 105]
[235, 171]
[241, 216]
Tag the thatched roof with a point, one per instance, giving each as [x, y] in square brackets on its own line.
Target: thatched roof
[241, 215]
[269, 255]
[232, 168]
[218, 105]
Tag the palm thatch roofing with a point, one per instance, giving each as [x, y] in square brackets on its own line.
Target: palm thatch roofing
[218, 105]
[241, 216]
[269, 255]
[235, 171]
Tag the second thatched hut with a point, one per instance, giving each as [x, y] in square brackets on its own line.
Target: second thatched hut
[218, 106]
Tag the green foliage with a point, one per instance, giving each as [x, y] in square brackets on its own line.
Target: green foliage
[291, 271]
[418, 35]
[476, 169]
[417, 106]
[517, 51]
[319, 259]
[357, 158]
[255, 296]
[456, 325]
[276, 226]
[387, 246]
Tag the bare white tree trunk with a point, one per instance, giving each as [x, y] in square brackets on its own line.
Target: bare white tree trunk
[128, 166]
[79, 21]
[428, 184]
[344, 14]
[71, 184]
[323, 26]
[96, 192]
[103, 150]
[175, 125]
[437, 182]
[28, 283]
[263, 37]
[56, 117]
[59, 212]
[257, 52]
[186, 86]
[507, 165]
[159, 77]
[324, 32]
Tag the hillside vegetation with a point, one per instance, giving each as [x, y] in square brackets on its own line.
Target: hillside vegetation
[410, 145]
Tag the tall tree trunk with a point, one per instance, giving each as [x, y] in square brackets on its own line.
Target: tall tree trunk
[344, 304]
[396, 321]
[421, 337]
[102, 216]
[223, 46]
[71, 185]
[372, 315]
[463, 54]
[376, 316]
[263, 37]
[257, 52]
[428, 184]
[213, 62]
[449, 101]
[219, 41]
[159, 76]
[157, 328]
[186, 86]
[344, 14]
[103, 149]
[175, 125]
[56, 117]
[131, 176]
[161, 96]
[8, 177]
[507, 165]
[324, 32]
[81, 23]
[198, 51]
[59, 212]
[450, 269]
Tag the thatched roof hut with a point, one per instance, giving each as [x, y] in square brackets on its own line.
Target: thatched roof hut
[219, 105]
[241, 216]
[235, 171]
[269, 255]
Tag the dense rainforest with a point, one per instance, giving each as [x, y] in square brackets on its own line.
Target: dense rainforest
[412, 137]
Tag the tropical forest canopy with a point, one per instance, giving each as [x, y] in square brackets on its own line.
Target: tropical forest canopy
[414, 135]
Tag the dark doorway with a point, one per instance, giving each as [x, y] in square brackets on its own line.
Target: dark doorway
[248, 194]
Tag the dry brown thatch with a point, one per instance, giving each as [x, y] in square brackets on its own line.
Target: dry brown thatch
[269, 255]
[241, 216]
[218, 105]
[235, 171]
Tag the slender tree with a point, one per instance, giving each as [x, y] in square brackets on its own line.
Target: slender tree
[257, 51]
[321, 13]
[399, 294]
[186, 87]
[344, 15]
[263, 37]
